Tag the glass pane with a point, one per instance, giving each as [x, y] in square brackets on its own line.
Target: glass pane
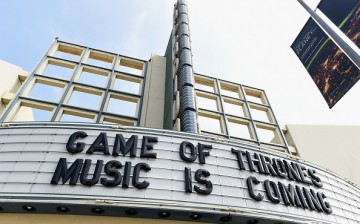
[206, 103]
[58, 72]
[234, 109]
[126, 86]
[210, 124]
[26, 113]
[239, 130]
[46, 92]
[93, 79]
[73, 118]
[87, 100]
[122, 107]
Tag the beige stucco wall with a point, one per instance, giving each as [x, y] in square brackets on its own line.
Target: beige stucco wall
[154, 95]
[336, 148]
[10, 82]
[78, 219]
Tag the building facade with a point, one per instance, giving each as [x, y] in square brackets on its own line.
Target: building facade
[91, 136]
[11, 79]
[332, 147]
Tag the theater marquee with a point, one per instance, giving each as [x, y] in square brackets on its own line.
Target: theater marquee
[139, 165]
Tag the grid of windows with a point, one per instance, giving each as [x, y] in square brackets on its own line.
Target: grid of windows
[74, 83]
[235, 111]
[78, 84]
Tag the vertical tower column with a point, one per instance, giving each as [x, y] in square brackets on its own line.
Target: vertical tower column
[187, 112]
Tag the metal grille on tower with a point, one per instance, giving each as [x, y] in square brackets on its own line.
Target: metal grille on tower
[187, 112]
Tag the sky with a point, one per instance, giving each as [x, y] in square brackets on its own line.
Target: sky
[243, 41]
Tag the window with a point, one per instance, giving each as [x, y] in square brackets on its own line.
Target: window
[204, 84]
[205, 87]
[85, 97]
[68, 115]
[210, 123]
[29, 111]
[127, 84]
[131, 66]
[239, 129]
[68, 52]
[122, 105]
[100, 59]
[58, 69]
[256, 96]
[230, 90]
[93, 76]
[268, 134]
[234, 108]
[261, 113]
[47, 90]
[117, 121]
[207, 101]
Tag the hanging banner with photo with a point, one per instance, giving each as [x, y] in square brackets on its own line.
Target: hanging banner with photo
[345, 14]
[332, 71]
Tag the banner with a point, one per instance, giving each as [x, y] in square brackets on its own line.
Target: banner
[332, 71]
[345, 14]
